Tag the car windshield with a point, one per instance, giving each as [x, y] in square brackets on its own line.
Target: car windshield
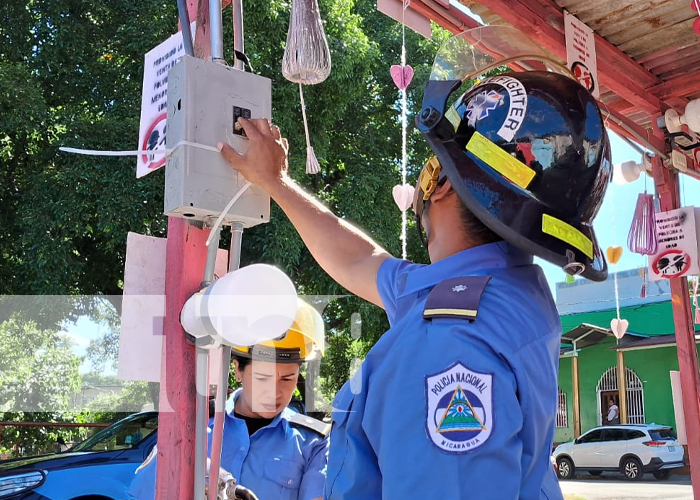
[122, 435]
[666, 434]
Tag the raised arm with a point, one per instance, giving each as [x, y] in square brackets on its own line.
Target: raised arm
[348, 255]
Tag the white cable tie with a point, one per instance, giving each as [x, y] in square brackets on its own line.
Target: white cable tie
[223, 213]
[166, 152]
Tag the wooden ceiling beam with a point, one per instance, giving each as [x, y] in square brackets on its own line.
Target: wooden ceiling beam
[544, 21]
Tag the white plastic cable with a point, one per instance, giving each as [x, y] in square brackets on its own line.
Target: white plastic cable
[166, 152]
[223, 213]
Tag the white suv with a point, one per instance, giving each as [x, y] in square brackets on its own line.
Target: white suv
[630, 449]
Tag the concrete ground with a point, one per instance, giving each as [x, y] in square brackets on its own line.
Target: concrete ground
[612, 486]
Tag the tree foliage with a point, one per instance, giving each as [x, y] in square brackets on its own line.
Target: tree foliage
[71, 73]
[38, 377]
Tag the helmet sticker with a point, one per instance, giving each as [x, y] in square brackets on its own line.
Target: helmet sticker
[453, 117]
[479, 106]
[517, 105]
[499, 160]
[568, 234]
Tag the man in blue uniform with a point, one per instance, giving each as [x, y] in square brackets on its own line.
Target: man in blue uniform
[458, 398]
[270, 449]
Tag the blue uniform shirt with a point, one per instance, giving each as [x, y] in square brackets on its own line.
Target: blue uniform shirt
[279, 462]
[450, 408]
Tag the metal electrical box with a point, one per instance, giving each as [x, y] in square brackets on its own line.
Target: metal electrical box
[204, 101]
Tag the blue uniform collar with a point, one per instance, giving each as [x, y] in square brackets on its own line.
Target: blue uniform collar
[474, 260]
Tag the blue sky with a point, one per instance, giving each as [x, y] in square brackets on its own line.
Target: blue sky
[612, 226]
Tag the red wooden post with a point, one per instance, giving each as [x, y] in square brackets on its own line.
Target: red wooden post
[667, 187]
[184, 272]
[186, 256]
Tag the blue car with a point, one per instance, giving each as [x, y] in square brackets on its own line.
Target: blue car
[99, 468]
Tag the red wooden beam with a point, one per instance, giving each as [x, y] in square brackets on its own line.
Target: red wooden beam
[688, 83]
[184, 271]
[544, 21]
[667, 187]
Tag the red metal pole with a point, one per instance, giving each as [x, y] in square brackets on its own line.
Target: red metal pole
[667, 187]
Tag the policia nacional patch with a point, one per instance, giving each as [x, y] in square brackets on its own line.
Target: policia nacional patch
[459, 408]
[459, 404]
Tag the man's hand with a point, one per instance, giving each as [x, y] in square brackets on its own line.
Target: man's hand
[265, 163]
[348, 255]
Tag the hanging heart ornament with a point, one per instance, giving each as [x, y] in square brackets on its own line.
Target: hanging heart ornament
[619, 327]
[614, 254]
[402, 75]
[403, 196]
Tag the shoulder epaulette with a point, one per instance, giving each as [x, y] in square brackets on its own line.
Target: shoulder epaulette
[456, 298]
[310, 423]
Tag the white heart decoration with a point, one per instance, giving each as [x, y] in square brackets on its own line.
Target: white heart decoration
[619, 327]
[403, 196]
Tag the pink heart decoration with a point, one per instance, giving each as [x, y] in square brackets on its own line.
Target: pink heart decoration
[402, 75]
[403, 196]
[619, 327]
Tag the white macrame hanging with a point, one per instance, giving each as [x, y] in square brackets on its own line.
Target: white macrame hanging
[307, 60]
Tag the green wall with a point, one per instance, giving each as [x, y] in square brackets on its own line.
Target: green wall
[652, 366]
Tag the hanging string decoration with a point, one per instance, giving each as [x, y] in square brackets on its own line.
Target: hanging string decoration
[617, 325]
[642, 236]
[307, 60]
[643, 291]
[402, 75]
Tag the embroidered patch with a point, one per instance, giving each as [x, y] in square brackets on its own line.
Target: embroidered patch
[459, 408]
[479, 106]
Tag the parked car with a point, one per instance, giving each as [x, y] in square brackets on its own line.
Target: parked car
[101, 467]
[630, 449]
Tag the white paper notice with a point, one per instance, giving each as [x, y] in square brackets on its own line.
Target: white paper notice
[678, 248]
[154, 101]
[580, 53]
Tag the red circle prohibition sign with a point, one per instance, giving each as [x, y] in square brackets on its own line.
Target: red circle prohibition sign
[671, 263]
[160, 157]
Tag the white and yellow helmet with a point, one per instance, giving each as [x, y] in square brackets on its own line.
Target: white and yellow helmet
[302, 342]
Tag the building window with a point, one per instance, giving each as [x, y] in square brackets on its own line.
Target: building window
[562, 420]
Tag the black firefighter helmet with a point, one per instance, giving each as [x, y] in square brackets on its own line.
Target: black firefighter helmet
[526, 151]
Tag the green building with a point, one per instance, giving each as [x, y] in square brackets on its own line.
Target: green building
[647, 351]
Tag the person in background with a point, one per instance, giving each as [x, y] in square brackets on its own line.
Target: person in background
[270, 449]
[613, 417]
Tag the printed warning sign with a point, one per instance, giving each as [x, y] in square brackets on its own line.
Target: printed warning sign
[580, 52]
[154, 102]
[678, 247]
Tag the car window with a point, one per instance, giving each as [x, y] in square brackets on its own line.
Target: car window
[122, 435]
[592, 437]
[662, 434]
[634, 434]
[613, 435]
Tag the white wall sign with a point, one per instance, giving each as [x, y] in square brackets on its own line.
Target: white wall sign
[154, 101]
[580, 53]
[678, 247]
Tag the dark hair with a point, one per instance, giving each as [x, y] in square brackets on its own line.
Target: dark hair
[476, 230]
[242, 361]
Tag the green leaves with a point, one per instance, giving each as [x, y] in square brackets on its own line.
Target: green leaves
[71, 74]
